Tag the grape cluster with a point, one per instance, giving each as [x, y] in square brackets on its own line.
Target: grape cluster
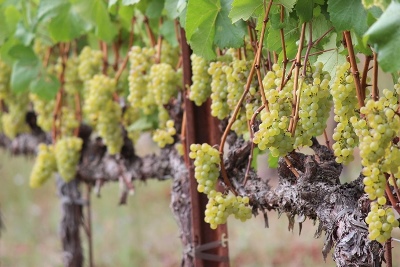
[140, 60]
[14, 121]
[345, 105]
[103, 112]
[67, 154]
[376, 131]
[129, 117]
[44, 111]
[163, 83]
[72, 83]
[200, 89]
[90, 63]
[206, 162]
[380, 222]
[273, 131]
[5, 72]
[44, 167]
[165, 137]
[219, 95]
[169, 54]
[315, 105]
[220, 206]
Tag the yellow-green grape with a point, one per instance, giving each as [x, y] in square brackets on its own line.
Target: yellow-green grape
[90, 63]
[44, 167]
[44, 111]
[164, 137]
[345, 105]
[14, 121]
[206, 162]
[200, 89]
[163, 82]
[100, 90]
[219, 106]
[39, 47]
[240, 126]
[130, 116]
[163, 116]
[315, 106]
[67, 154]
[273, 131]
[236, 76]
[220, 206]
[141, 60]
[109, 128]
[381, 222]
[5, 73]
[169, 54]
[72, 83]
[179, 149]
[67, 122]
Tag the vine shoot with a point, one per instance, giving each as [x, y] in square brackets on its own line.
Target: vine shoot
[216, 83]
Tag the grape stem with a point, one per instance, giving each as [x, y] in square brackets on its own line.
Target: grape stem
[328, 145]
[150, 33]
[116, 46]
[104, 49]
[285, 59]
[375, 90]
[365, 75]
[391, 196]
[159, 43]
[291, 168]
[47, 56]
[256, 62]
[296, 79]
[125, 62]
[354, 69]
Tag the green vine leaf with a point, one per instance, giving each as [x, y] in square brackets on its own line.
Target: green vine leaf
[208, 25]
[244, 9]
[348, 15]
[45, 87]
[304, 9]
[23, 73]
[384, 35]
[23, 54]
[174, 8]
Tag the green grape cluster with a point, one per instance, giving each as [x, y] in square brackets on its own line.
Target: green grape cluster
[5, 73]
[14, 121]
[67, 153]
[219, 95]
[165, 137]
[206, 162]
[39, 47]
[381, 222]
[220, 206]
[103, 112]
[129, 117]
[376, 131]
[273, 131]
[169, 54]
[345, 105]
[200, 89]
[315, 106]
[236, 76]
[90, 63]
[44, 167]
[109, 128]
[141, 60]
[44, 111]
[163, 83]
[67, 121]
[72, 83]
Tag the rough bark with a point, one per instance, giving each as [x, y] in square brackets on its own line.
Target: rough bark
[71, 208]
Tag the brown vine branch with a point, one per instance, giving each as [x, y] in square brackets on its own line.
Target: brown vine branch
[296, 100]
[78, 111]
[365, 75]
[150, 33]
[391, 196]
[388, 253]
[159, 43]
[375, 90]
[104, 49]
[89, 224]
[354, 68]
[125, 62]
[283, 44]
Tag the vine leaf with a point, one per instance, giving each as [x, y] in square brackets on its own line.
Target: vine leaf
[272, 161]
[348, 15]
[304, 9]
[45, 87]
[331, 59]
[244, 9]
[208, 25]
[384, 34]
[23, 72]
[62, 19]
[174, 8]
